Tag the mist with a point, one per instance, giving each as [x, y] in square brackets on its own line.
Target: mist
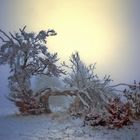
[112, 42]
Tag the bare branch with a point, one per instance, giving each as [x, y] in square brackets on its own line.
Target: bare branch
[6, 35]
[3, 40]
[15, 38]
[123, 84]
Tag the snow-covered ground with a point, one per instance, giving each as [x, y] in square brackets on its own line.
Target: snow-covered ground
[59, 126]
[56, 126]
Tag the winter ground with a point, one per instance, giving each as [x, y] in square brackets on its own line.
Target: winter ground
[59, 126]
[56, 126]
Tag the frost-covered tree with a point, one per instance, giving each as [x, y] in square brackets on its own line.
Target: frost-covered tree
[80, 75]
[95, 92]
[27, 55]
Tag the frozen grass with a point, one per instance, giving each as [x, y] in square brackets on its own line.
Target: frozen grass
[59, 126]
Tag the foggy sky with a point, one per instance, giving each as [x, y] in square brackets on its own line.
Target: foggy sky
[106, 32]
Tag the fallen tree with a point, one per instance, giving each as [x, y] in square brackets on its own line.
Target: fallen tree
[39, 102]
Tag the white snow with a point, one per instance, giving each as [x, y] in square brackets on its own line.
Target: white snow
[59, 126]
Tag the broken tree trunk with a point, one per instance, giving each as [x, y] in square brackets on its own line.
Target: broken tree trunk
[39, 102]
[45, 94]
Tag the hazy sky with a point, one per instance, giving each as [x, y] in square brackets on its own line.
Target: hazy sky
[103, 31]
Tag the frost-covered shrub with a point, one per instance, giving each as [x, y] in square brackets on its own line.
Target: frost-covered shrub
[117, 115]
[133, 96]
